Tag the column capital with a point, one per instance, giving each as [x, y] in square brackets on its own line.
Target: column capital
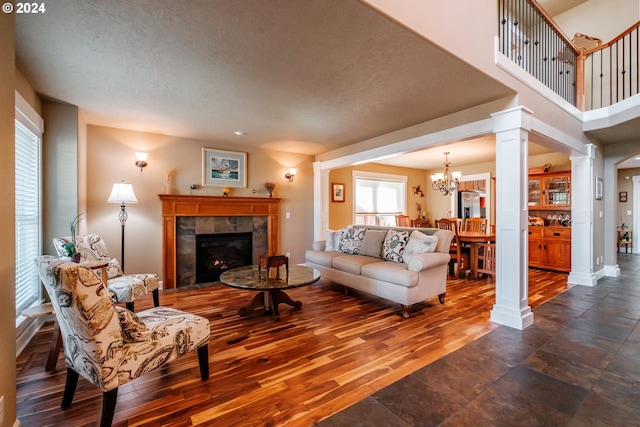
[513, 118]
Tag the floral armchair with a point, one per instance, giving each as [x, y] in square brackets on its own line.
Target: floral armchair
[110, 345]
[124, 288]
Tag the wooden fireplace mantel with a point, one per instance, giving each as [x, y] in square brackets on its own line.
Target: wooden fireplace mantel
[174, 206]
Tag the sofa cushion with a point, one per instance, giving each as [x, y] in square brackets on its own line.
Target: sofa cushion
[322, 258]
[392, 272]
[419, 243]
[394, 244]
[352, 263]
[351, 240]
[372, 243]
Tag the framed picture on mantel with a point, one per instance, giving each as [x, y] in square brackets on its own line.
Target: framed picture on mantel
[224, 168]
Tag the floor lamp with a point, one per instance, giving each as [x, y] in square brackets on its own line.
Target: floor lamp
[122, 193]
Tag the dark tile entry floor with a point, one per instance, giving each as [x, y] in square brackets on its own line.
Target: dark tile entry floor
[578, 365]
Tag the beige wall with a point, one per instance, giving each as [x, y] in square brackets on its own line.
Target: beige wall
[110, 158]
[601, 19]
[27, 92]
[341, 214]
[60, 171]
[7, 219]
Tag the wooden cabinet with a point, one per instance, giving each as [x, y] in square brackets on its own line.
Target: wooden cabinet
[550, 248]
[535, 247]
[550, 191]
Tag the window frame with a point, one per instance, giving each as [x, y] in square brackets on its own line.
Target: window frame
[386, 218]
[28, 118]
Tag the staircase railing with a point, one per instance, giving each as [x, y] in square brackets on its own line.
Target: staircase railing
[612, 71]
[530, 38]
[587, 79]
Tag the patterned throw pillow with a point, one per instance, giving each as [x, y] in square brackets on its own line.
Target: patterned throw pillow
[394, 244]
[133, 329]
[332, 240]
[419, 243]
[351, 240]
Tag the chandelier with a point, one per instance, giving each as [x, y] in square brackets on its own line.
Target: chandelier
[448, 181]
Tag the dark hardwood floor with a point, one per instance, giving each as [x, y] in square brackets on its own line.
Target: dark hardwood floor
[335, 351]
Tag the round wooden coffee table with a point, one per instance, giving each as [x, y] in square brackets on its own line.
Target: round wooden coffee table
[271, 292]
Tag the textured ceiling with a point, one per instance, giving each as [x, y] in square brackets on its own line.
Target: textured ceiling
[303, 76]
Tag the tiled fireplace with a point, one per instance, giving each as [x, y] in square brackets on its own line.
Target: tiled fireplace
[224, 235]
[186, 217]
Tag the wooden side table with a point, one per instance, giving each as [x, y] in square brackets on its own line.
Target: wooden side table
[46, 309]
[273, 261]
[625, 243]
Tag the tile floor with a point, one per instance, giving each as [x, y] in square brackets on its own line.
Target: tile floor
[578, 365]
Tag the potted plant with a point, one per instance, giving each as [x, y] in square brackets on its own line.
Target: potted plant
[70, 247]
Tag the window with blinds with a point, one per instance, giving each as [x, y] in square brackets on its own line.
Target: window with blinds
[27, 201]
[379, 198]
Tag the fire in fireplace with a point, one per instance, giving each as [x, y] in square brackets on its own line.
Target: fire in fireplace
[216, 253]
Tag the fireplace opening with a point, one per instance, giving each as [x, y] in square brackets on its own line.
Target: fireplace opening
[217, 253]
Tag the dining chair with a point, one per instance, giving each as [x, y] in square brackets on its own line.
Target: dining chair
[124, 288]
[486, 256]
[476, 225]
[421, 223]
[403, 221]
[108, 345]
[459, 222]
[459, 254]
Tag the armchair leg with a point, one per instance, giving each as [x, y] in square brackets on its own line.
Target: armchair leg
[108, 407]
[129, 306]
[69, 388]
[203, 361]
[156, 298]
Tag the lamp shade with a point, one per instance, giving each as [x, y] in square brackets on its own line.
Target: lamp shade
[122, 193]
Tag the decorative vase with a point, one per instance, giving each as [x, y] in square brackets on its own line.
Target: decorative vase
[169, 185]
[270, 186]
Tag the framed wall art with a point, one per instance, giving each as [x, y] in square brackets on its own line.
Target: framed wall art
[224, 168]
[337, 192]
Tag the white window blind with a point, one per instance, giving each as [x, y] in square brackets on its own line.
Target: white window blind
[27, 202]
[379, 198]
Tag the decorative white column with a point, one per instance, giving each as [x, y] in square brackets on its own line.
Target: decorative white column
[511, 128]
[320, 200]
[582, 212]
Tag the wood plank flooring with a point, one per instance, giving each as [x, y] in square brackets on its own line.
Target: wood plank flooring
[335, 351]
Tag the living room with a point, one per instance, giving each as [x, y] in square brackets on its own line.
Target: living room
[91, 155]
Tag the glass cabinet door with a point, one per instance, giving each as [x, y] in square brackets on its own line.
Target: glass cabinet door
[534, 192]
[557, 191]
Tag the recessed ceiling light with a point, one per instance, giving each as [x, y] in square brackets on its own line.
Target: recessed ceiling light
[239, 133]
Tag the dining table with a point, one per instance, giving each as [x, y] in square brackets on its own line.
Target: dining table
[473, 239]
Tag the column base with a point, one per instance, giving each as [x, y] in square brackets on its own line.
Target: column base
[512, 318]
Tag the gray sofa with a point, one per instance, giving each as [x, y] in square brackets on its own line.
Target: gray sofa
[406, 281]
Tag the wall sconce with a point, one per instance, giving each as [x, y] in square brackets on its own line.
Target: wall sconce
[141, 159]
[291, 174]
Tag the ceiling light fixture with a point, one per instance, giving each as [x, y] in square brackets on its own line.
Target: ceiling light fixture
[239, 133]
[448, 181]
